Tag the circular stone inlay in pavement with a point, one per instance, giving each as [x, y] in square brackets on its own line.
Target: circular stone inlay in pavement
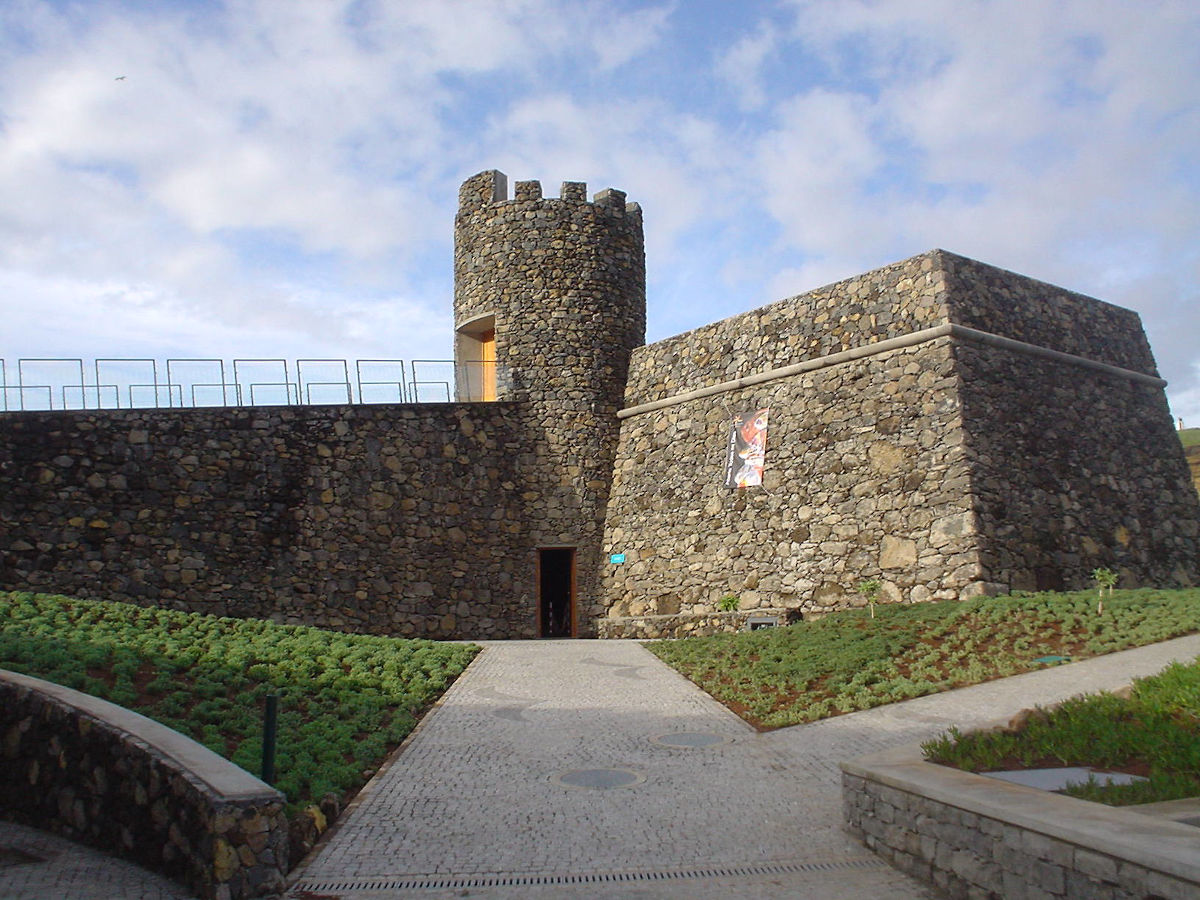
[598, 779]
[689, 739]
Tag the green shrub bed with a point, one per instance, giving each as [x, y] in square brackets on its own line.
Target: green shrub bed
[1154, 732]
[848, 661]
[345, 701]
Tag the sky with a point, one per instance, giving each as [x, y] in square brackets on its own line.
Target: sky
[278, 178]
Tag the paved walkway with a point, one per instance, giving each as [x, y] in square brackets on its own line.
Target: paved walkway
[490, 797]
[35, 865]
[480, 803]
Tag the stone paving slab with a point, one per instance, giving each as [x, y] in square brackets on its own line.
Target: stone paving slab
[1061, 778]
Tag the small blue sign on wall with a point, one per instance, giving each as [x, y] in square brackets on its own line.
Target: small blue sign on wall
[617, 558]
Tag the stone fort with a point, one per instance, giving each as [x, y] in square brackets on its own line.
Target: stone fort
[942, 426]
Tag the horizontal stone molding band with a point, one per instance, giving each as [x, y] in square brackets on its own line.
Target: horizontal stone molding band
[995, 340]
[106, 776]
[896, 343]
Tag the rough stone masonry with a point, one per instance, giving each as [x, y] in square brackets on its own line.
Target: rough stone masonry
[946, 427]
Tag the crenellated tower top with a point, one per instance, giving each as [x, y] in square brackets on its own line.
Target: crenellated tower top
[491, 187]
[549, 292]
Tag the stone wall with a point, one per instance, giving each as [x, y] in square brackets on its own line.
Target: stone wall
[400, 520]
[865, 478]
[1074, 470]
[688, 625]
[110, 778]
[895, 300]
[970, 836]
[1024, 309]
[941, 425]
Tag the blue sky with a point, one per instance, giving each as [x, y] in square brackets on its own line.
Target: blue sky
[279, 178]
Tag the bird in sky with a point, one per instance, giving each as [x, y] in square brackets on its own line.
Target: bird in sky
[119, 78]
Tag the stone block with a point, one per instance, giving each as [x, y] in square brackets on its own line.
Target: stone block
[897, 553]
[1095, 865]
[1167, 887]
[1047, 849]
[1049, 877]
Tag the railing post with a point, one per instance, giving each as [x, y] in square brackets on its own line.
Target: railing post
[270, 726]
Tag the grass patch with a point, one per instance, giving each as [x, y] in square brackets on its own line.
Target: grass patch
[344, 700]
[1155, 732]
[846, 661]
[1190, 437]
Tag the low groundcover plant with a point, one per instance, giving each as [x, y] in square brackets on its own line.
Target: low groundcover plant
[1153, 732]
[846, 661]
[344, 700]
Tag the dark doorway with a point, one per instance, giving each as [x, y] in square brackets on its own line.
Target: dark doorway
[556, 592]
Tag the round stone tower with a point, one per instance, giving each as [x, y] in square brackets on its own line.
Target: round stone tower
[549, 302]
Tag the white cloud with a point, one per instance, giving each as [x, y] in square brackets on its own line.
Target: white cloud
[741, 65]
[1066, 150]
[284, 174]
[675, 164]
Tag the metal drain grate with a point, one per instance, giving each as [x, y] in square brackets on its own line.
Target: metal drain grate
[451, 882]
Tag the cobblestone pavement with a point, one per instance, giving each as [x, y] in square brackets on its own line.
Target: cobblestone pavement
[480, 802]
[35, 865]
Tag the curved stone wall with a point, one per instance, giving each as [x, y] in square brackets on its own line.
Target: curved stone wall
[105, 776]
[973, 836]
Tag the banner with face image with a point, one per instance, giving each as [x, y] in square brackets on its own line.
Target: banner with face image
[747, 452]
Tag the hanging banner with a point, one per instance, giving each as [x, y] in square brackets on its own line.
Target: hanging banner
[747, 453]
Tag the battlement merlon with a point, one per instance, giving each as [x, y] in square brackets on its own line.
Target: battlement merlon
[483, 189]
[528, 190]
[491, 187]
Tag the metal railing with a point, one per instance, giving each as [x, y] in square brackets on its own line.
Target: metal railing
[43, 383]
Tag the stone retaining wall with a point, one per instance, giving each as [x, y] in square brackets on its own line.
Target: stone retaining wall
[105, 776]
[976, 837]
[403, 520]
